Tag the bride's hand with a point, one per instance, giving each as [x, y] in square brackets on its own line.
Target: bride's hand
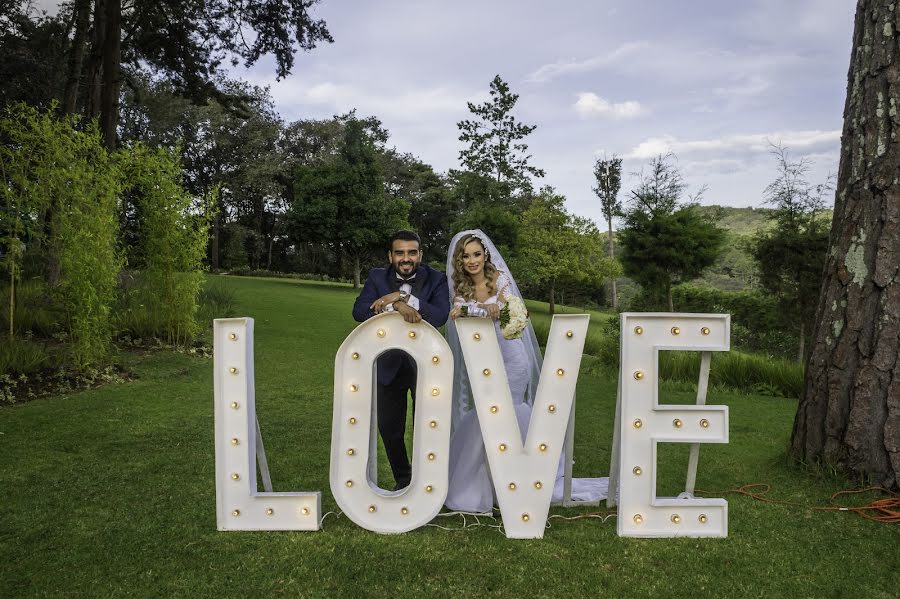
[493, 310]
[455, 313]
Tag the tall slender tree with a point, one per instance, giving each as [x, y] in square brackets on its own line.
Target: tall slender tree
[849, 412]
[608, 174]
[495, 140]
[791, 255]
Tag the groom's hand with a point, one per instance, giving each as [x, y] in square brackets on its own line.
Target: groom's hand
[384, 301]
[409, 313]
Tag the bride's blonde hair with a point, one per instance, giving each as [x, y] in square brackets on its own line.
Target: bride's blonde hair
[462, 281]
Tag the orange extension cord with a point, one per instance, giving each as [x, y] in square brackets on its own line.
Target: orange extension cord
[886, 511]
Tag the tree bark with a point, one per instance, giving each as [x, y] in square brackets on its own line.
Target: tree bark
[356, 268]
[95, 64]
[669, 296]
[849, 413]
[612, 254]
[801, 351]
[214, 246]
[109, 93]
[552, 299]
[82, 10]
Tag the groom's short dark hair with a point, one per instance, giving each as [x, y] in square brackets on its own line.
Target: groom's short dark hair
[405, 235]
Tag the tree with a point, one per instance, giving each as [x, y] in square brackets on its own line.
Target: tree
[495, 147]
[792, 254]
[556, 248]
[849, 412]
[661, 243]
[608, 174]
[184, 42]
[432, 209]
[342, 202]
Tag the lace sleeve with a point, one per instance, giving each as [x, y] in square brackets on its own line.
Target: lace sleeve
[504, 288]
[458, 301]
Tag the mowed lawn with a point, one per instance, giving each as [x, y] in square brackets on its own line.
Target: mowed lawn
[111, 492]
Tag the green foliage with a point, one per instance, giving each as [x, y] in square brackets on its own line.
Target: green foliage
[22, 356]
[167, 247]
[608, 174]
[494, 138]
[791, 255]
[216, 300]
[497, 221]
[60, 195]
[342, 202]
[661, 250]
[556, 248]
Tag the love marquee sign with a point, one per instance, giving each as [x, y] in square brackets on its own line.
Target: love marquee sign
[523, 473]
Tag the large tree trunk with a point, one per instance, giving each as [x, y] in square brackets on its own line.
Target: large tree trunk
[849, 414]
[669, 296]
[801, 351]
[95, 63]
[109, 93]
[356, 269]
[82, 10]
[612, 254]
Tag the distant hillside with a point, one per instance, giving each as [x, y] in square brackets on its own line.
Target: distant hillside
[741, 221]
[735, 269]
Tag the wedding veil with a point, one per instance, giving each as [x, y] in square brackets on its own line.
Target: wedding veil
[462, 392]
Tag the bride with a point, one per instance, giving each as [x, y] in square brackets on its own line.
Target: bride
[481, 283]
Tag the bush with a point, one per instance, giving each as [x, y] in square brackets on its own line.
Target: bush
[757, 323]
[216, 301]
[167, 243]
[22, 356]
[59, 190]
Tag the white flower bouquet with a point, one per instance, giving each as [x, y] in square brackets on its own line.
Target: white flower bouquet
[513, 318]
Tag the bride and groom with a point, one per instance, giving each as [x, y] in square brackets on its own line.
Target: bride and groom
[476, 278]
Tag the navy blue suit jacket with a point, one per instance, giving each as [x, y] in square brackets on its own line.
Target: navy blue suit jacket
[434, 305]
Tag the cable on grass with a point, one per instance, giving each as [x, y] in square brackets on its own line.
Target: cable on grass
[885, 511]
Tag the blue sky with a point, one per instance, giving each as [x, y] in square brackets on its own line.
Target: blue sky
[711, 81]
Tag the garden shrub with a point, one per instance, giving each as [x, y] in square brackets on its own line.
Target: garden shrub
[166, 244]
[59, 194]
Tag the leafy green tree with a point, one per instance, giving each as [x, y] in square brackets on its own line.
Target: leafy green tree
[662, 243]
[608, 174]
[495, 141]
[432, 209]
[236, 154]
[791, 256]
[342, 202]
[34, 49]
[184, 41]
[556, 248]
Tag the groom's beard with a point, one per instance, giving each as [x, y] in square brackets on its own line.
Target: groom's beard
[406, 269]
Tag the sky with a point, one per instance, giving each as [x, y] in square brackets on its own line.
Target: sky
[714, 82]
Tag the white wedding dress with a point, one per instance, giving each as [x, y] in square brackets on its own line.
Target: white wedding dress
[470, 487]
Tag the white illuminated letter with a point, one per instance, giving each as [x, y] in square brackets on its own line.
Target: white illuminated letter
[354, 394]
[239, 505]
[523, 476]
[644, 423]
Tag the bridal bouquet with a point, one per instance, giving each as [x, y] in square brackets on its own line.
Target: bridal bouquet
[513, 318]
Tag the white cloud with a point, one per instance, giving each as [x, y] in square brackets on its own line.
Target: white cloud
[800, 141]
[591, 105]
[549, 72]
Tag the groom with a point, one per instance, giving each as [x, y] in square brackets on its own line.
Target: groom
[415, 291]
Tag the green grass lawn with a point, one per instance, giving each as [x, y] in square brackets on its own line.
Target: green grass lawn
[111, 492]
